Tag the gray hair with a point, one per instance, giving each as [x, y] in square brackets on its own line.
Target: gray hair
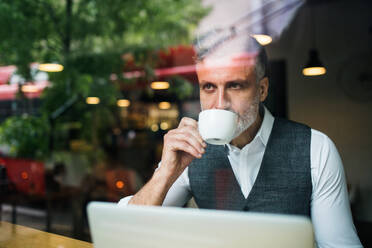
[220, 42]
[261, 65]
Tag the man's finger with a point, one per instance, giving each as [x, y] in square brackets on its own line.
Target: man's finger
[186, 121]
[191, 140]
[182, 145]
[191, 131]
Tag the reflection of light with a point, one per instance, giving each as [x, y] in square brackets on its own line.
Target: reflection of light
[154, 127]
[314, 71]
[164, 125]
[164, 105]
[92, 100]
[51, 67]
[156, 113]
[29, 88]
[123, 103]
[263, 39]
[119, 184]
[24, 175]
[113, 77]
[131, 134]
[117, 131]
[160, 85]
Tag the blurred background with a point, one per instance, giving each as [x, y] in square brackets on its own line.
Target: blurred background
[88, 88]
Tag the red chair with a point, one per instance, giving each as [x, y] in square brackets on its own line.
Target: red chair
[27, 180]
[26, 175]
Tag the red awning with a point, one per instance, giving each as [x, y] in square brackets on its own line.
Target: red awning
[163, 72]
[9, 91]
[5, 73]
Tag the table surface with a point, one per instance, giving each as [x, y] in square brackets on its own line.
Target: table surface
[16, 236]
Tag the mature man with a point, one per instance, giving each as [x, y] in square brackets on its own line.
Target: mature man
[272, 165]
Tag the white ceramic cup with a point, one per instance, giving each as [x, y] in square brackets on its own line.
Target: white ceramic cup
[217, 126]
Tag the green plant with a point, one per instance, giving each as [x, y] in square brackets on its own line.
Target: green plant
[89, 37]
[26, 136]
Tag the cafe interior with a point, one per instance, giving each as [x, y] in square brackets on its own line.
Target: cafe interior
[97, 135]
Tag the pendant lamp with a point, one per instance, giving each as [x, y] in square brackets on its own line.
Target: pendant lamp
[314, 67]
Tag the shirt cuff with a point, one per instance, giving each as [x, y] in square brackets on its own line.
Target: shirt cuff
[124, 201]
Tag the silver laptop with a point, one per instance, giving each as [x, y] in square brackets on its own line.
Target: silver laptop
[170, 227]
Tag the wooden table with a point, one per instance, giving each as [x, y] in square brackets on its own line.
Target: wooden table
[16, 236]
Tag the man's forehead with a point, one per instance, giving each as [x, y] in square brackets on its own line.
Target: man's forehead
[226, 68]
[236, 60]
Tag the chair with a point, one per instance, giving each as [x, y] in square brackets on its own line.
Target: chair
[24, 183]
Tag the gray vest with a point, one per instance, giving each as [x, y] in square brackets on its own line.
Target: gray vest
[283, 184]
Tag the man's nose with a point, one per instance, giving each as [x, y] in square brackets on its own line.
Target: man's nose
[223, 101]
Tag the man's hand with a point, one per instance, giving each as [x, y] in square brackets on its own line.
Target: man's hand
[181, 146]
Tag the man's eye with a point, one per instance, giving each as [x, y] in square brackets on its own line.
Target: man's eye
[208, 86]
[235, 85]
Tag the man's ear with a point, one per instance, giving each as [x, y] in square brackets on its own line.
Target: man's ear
[263, 88]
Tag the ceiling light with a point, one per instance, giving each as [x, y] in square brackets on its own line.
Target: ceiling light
[92, 100]
[160, 85]
[164, 125]
[314, 71]
[154, 127]
[314, 66]
[51, 67]
[263, 39]
[29, 88]
[164, 105]
[123, 103]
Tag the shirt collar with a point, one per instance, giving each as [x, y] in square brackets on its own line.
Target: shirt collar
[266, 127]
[264, 132]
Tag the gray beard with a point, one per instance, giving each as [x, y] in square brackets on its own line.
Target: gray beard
[248, 117]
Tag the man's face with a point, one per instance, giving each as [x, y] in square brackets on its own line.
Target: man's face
[232, 86]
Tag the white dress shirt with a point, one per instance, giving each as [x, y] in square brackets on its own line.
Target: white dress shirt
[330, 209]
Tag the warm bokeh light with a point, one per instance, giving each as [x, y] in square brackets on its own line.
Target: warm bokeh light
[123, 103]
[51, 67]
[164, 105]
[24, 175]
[119, 184]
[314, 71]
[160, 85]
[92, 100]
[263, 39]
[117, 131]
[154, 127]
[164, 125]
[29, 88]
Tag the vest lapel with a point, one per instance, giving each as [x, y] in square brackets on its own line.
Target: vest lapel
[227, 190]
[261, 176]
